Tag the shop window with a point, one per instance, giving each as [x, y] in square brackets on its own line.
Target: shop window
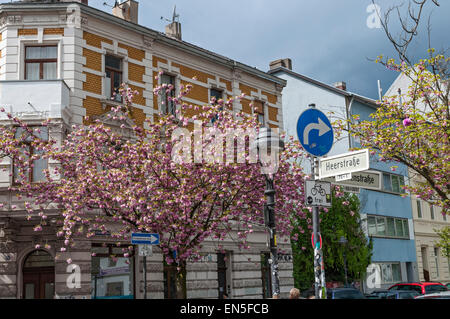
[41, 62]
[390, 273]
[114, 77]
[112, 275]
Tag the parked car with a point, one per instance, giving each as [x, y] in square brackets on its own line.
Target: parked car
[377, 294]
[437, 295]
[448, 285]
[421, 287]
[344, 293]
[402, 294]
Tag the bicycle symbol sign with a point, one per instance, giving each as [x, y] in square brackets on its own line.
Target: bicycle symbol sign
[318, 193]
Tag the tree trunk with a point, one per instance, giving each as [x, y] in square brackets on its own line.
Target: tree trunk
[181, 282]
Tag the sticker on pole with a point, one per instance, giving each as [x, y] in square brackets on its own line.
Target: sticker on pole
[320, 241]
[318, 193]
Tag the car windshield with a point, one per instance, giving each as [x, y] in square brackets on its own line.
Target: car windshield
[410, 287]
[348, 294]
[435, 288]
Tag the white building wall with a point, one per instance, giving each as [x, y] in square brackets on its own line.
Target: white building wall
[298, 95]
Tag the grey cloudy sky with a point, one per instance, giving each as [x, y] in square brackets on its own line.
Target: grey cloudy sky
[328, 40]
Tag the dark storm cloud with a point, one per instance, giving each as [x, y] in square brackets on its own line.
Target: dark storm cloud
[326, 39]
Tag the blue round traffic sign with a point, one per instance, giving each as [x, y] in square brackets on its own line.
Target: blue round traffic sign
[315, 132]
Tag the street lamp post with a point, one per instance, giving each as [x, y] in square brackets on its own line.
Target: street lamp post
[268, 142]
[344, 241]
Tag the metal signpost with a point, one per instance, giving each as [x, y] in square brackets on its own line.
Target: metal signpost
[145, 242]
[315, 134]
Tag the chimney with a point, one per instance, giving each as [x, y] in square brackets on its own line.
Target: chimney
[127, 10]
[173, 29]
[281, 63]
[341, 85]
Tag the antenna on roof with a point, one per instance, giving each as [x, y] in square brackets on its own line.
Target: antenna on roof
[175, 16]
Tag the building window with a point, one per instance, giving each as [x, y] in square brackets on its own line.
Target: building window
[34, 172]
[432, 211]
[114, 77]
[390, 227]
[41, 62]
[390, 273]
[266, 275]
[216, 94]
[259, 110]
[222, 274]
[112, 275]
[393, 183]
[167, 94]
[419, 209]
[436, 259]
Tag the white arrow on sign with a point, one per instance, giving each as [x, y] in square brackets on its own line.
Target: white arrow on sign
[153, 239]
[321, 126]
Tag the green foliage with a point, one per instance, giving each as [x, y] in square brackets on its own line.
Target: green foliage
[444, 241]
[343, 219]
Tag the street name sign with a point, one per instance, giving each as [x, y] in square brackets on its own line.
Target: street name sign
[367, 179]
[318, 193]
[144, 239]
[343, 177]
[315, 132]
[344, 163]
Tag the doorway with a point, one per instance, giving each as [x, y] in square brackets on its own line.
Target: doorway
[426, 272]
[39, 276]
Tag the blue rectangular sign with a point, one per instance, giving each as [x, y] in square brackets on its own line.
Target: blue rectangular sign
[144, 239]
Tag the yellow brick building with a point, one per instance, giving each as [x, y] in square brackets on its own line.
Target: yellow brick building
[63, 61]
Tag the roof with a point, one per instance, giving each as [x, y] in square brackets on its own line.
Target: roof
[156, 35]
[325, 86]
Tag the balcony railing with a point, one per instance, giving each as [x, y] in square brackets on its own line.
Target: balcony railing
[38, 100]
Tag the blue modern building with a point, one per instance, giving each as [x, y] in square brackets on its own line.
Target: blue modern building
[386, 212]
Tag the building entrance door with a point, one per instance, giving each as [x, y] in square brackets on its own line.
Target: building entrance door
[39, 276]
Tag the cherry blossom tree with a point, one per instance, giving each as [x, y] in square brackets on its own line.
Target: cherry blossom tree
[413, 128]
[188, 185]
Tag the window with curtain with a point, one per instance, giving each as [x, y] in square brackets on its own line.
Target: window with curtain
[41, 62]
[380, 226]
[393, 183]
[34, 172]
[114, 78]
